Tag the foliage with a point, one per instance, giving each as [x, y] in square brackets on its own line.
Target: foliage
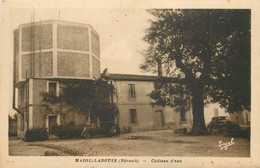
[68, 131]
[12, 129]
[232, 64]
[12, 117]
[50, 98]
[173, 95]
[92, 98]
[205, 51]
[36, 134]
[126, 129]
[9, 119]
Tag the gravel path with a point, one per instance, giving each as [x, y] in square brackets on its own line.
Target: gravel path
[150, 143]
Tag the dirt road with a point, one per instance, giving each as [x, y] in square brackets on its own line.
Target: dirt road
[151, 143]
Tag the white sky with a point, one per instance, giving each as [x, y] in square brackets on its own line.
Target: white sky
[121, 32]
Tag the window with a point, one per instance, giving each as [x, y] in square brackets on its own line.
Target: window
[133, 116]
[53, 88]
[131, 88]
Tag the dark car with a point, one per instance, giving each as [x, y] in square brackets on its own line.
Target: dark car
[102, 129]
[223, 125]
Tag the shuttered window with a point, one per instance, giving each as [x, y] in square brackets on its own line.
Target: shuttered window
[131, 89]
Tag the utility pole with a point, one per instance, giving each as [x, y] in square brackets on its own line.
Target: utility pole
[40, 46]
[32, 43]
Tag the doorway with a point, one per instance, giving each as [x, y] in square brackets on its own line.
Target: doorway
[52, 123]
[159, 121]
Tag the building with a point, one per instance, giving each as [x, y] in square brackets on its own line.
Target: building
[135, 106]
[243, 118]
[46, 55]
[136, 109]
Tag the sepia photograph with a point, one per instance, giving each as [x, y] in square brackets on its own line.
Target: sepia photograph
[114, 85]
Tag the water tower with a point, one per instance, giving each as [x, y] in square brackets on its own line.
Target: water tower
[56, 49]
[47, 54]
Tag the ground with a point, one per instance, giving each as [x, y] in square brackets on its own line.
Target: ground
[150, 143]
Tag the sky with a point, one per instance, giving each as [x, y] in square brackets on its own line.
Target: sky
[120, 30]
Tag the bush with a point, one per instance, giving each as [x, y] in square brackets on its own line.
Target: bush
[12, 134]
[246, 133]
[126, 129]
[67, 131]
[36, 134]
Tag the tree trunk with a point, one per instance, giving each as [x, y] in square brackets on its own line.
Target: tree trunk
[159, 67]
[199, 127]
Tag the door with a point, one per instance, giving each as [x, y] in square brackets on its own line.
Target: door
[52, 123]
[159, 122]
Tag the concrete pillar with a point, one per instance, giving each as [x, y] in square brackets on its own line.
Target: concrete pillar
[30, 103]
[54, 46]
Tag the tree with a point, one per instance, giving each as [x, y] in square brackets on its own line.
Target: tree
[233, 64]
[195, 48]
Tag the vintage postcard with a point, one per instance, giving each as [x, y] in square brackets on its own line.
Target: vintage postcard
[130, 83]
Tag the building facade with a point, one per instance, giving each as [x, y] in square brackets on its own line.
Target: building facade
[46, 55]
[135, 105]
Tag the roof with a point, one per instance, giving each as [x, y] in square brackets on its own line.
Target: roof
[130, 77]
[71, 23]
